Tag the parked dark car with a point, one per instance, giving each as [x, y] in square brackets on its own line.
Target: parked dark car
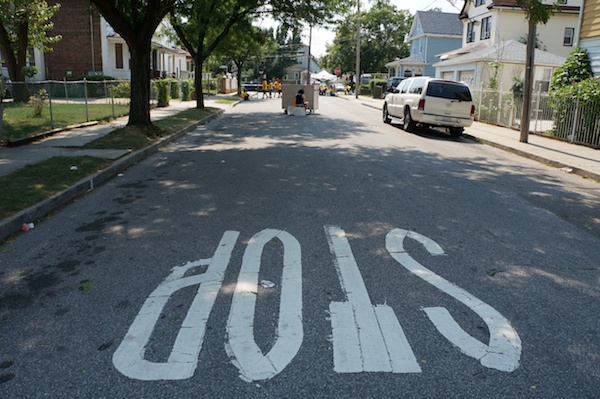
[393, 83]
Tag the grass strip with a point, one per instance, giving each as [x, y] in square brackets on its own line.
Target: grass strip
[35, 183]
[228, 100]
[136, 137]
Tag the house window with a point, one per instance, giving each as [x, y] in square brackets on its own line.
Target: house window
[561, 2]
[569, 34]
[470, 32]
[486, 28]
[479, 3]
[119, 55]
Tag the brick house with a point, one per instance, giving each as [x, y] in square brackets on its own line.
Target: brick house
[90, 46]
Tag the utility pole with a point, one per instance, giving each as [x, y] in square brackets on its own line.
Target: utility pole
[308, 67]
[528, 83]
[357, 76]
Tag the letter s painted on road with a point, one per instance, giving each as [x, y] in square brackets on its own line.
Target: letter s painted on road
[504, 349]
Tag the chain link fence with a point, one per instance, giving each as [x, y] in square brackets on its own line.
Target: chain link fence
[49, 105]
[571, 119]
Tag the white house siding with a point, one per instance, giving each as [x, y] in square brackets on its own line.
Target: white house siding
[513, 25]
[593, 47]
[110, 64]
[590, 33]
[510, 23]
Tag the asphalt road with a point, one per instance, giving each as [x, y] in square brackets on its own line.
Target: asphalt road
[404, 266]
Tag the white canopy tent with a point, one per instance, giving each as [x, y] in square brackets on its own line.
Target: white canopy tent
[323, 75]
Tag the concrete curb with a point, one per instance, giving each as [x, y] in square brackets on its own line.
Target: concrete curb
[12, 224]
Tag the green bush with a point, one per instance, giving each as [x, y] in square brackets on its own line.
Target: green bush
[586, 95]
[37, 102]
[121, 90]
[576, 68]
[187, 87]
[573, 83]
[174, 88]
[162, 88]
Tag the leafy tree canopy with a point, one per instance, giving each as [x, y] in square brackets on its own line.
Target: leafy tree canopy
[383, 29]
[24, 23]
[202, 25]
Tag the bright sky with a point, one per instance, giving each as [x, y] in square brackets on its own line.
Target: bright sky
[321, 37]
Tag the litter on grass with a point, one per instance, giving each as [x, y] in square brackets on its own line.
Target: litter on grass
[566, 170]
[73, 168]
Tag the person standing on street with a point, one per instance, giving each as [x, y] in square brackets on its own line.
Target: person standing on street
[265, 86]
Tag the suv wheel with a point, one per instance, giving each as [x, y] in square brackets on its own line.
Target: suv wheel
[456, 131]
[386, 116]
[409, 124]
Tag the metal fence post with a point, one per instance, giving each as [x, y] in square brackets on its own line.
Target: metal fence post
[575, 116]
[538, 109]
[50, 105]
[480, 99]
[87, 115]
[66, 89]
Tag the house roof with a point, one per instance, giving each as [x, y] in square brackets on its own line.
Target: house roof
[440, 23]
[509, 51]
[412, 60]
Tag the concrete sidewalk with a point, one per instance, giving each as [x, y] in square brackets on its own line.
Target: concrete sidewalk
[581, 160]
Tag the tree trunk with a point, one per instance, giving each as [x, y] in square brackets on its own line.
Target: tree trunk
[139, 107]
[528, 84]
[239, 77]
[1, 108]
[198, 83]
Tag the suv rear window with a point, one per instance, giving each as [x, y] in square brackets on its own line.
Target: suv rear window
[448, 90]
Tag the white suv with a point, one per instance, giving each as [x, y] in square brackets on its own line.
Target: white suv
[430, 102]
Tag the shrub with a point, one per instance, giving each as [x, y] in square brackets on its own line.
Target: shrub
[174, 88]
[37, 102]
[162, 88]
[572, 83]
[576, 68]
[187, 87]
[121, 90]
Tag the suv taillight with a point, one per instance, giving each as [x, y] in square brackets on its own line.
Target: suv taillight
[472, 110]
[422, 104]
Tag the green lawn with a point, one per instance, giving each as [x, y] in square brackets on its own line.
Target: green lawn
[35, 183]
[19, 121]
[135, 138]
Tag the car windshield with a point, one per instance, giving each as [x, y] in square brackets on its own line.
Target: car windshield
[448, 90]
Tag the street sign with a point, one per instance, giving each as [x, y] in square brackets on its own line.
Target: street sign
[337, 70]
